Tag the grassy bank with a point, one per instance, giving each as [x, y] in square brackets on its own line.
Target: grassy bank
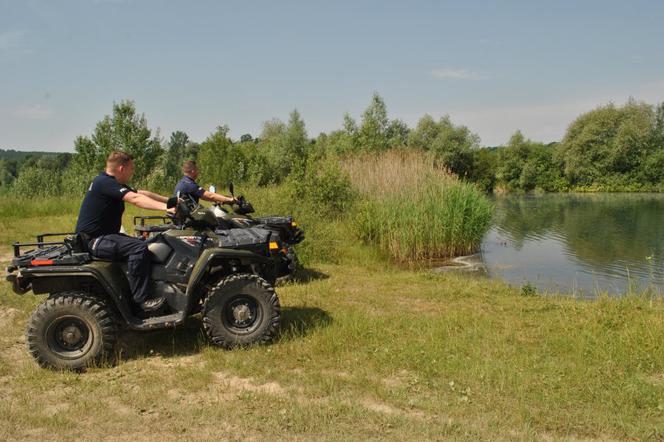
[368, 351]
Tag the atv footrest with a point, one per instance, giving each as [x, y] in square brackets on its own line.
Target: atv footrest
[158, 322]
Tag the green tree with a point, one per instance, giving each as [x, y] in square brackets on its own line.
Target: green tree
[451, 145]
[283, 149]
[296, 143]
[219, 161]
[424, 133]
[608, 143]
[372, 134]
[175, 154]
[397, 133]
[511, 160]
[123, 130]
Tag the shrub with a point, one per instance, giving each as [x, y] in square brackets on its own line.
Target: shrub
[325, 187]
[34, 181]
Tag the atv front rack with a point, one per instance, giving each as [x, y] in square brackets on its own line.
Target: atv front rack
[143, 230]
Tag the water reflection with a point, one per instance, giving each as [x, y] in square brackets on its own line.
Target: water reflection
[578, 243]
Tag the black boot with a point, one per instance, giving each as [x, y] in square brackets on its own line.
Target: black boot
[153, 305]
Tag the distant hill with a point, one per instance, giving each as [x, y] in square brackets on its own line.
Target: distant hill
[11, 154]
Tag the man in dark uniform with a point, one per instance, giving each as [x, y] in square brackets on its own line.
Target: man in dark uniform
[188, 186]
[100, 220]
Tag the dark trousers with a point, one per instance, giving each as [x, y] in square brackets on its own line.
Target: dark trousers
[120, 247]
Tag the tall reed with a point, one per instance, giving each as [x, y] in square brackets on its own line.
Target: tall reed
[413, 210]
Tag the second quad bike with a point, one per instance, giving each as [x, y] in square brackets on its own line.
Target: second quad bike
[194, 268]
[286, 227]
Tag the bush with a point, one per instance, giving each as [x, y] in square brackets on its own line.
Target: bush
[34, 181]
[325, 187]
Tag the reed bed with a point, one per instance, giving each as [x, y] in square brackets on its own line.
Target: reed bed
[413, 210]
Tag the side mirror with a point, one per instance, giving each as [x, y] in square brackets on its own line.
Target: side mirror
[230, 188]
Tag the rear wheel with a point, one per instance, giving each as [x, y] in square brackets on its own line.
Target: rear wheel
[241, 310]
[71, 331]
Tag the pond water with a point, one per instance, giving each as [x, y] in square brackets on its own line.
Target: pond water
[578, 243]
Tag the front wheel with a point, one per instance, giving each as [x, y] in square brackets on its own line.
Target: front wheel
[240, 310]
[71, 331]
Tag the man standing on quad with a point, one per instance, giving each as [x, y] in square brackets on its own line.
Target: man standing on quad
[100, 220]
[188, 186]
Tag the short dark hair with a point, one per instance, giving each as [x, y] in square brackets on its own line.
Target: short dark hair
[118, 158]
[189, 166]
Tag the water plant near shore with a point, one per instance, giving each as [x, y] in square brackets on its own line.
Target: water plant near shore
[413, 210]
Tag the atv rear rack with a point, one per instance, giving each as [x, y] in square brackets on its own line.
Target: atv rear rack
[49, 252]
[40, 242]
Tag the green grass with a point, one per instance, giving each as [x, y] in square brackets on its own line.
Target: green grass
[368, 351]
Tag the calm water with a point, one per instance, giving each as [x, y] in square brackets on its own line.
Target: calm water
[578, 243]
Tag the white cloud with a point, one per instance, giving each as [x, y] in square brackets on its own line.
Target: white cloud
[459, 74]
[33, 112]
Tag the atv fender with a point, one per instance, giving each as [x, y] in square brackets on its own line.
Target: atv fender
[64, 278]
[216, 256]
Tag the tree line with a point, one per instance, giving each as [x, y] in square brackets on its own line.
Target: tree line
[610, 148]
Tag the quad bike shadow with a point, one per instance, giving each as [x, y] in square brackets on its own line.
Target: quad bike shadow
[190, 338]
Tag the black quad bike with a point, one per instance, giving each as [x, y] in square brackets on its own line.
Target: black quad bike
[195, 269]
[285, 226]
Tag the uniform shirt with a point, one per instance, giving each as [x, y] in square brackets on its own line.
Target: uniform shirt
[102, 208]
[187, 186]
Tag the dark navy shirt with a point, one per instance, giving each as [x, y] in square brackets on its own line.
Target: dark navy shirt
[187, 186]
[102, 208]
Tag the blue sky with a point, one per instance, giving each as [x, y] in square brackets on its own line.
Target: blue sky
[493, 66]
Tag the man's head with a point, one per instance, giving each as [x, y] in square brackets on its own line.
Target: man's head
[190, 169]
[120, 165]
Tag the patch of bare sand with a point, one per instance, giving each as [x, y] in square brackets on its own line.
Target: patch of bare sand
[573, 438]
[53, 409]
[341, 374]
[219, 431]
[398, 380]
[117, 407]
[377, 406]
[657, 379]
[239, 384]
[161, 362]
[8, 315]
[224, 387]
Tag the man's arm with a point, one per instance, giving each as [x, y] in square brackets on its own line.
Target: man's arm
[154, 196]
[143, 201]
[215, 197]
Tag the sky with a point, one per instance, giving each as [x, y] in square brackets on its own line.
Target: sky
[496, 67]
